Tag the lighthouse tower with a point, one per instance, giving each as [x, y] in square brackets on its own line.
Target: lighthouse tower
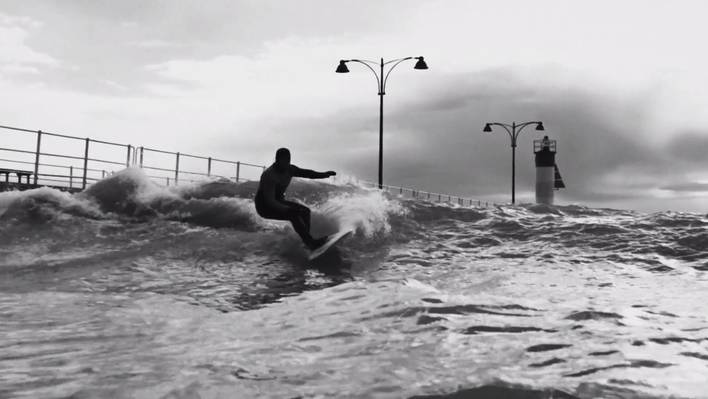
[545, 151]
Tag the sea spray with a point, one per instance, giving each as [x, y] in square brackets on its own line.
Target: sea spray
[367, 211]
[44, 204]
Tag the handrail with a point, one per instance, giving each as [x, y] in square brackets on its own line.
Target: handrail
[255, 166]
[193, 156]
[60, 156]
[17, 129]
[416, 194]
[22, 151]
[51, 165]
[105, 142]
[160, 151]
[104, 161]
[60, 135]
[160, 169]
[238, 162]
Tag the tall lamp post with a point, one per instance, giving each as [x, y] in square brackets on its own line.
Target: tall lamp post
[381, 80]
[514, 129]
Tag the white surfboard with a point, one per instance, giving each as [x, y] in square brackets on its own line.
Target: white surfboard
[333, 239]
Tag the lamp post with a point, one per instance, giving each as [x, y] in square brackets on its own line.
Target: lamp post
[514, 129]
[381, 80]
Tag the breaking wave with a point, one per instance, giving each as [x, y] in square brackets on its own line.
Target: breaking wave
[130, 197]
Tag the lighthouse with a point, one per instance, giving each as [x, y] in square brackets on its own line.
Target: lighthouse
[546, 170]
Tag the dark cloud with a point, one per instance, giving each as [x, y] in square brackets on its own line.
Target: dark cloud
[687, 187]
[691, 147]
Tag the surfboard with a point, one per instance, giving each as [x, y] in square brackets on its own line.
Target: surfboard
[333, 239]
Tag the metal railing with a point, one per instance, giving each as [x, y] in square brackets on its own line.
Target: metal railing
[429, 196]
[76, 172]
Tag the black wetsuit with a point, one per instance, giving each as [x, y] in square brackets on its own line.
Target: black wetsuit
[297, 214]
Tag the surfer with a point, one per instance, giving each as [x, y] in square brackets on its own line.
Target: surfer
[270, 197]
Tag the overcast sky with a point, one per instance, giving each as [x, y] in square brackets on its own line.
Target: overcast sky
[622, 85]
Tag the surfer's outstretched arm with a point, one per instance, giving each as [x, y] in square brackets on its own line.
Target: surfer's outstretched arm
[310, 174]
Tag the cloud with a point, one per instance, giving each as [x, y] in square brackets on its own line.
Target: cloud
[13, 69]
[115, 40]
[689, 147]
[14, 32]
[155, 44]
[687, 187]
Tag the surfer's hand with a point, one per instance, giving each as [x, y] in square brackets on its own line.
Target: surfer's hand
[331, 173]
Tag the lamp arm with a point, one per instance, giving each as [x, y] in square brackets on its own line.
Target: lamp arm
[366, 61]
[397, 60]
[378, 80]
[521, 126]
[391, 69]
[506, 127]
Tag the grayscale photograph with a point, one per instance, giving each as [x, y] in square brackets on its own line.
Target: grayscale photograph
[309, 199]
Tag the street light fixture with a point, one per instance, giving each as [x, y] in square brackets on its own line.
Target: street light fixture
[342, 68]
[420, 64]
[514, 129]
[381, 80]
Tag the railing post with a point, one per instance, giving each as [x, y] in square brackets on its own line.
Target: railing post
[36, 157]
[127, 158]
[141, 157]
[86, 151]
[238, 170]
[209, 168]
[177, 170]
[71, 177]
[103, 174]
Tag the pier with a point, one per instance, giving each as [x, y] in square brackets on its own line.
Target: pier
[32, 165]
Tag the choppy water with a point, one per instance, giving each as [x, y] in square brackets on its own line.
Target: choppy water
[130, 290]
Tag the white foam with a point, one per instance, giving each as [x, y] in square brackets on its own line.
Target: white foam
[63, 200]
[147, 190]
[366, 211]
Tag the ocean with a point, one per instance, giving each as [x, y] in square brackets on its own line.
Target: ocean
[132, 290]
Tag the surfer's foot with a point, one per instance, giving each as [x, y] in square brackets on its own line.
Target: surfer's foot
[316, 243]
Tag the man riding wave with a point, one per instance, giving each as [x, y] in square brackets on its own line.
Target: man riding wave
[270, 197]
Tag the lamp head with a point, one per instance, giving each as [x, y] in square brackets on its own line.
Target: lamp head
[539, 126]
[487, 128]
[342, 68]
[420, 64]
